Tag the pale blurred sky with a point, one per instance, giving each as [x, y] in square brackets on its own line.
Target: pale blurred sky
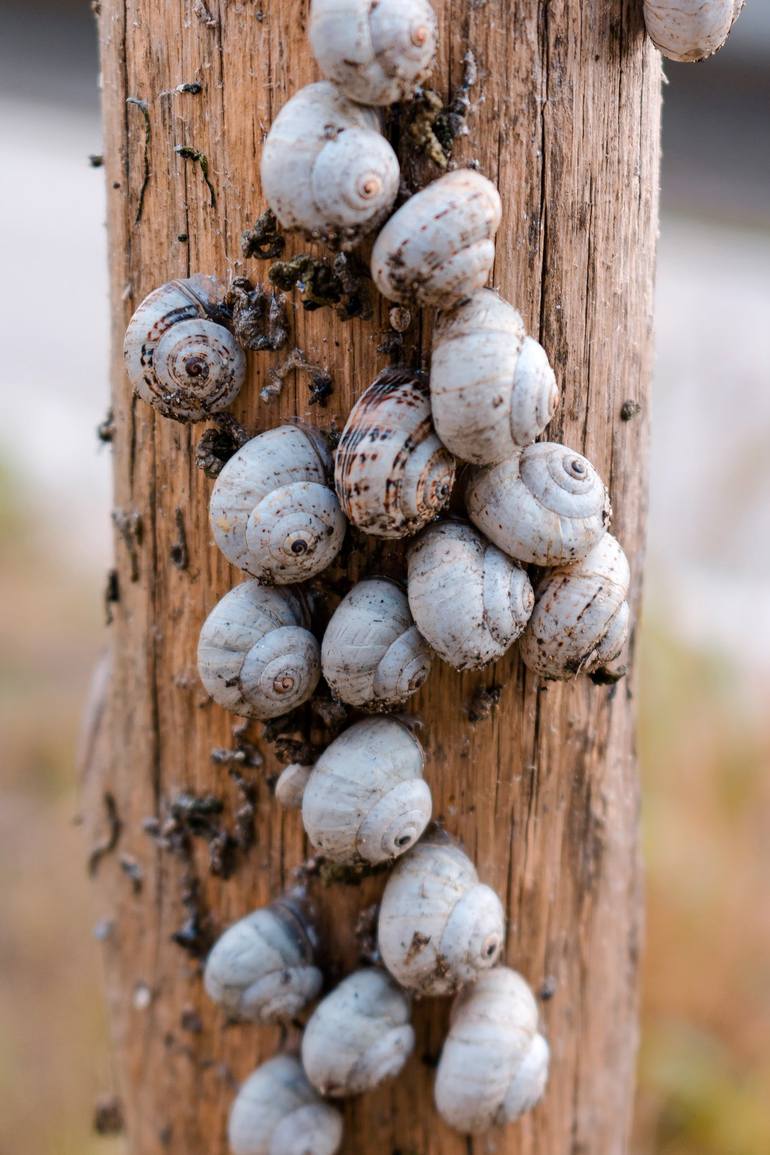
[710, 497]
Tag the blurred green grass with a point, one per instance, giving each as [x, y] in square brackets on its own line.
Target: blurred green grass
[704, 745]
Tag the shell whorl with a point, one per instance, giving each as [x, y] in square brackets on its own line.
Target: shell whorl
[492, 388]
[255, 656]
[392, 474]
[581, 617]
[439, 247]
[358, 1036]
[690, 30]
[439, 927]
[366, 799]
[272, 512]
[372, 655]
[278, 1112]
[545, 505]
[377, 51]
[261, 968]
[178, 357]
[469, 600]
[327, 170]
[494, 1063]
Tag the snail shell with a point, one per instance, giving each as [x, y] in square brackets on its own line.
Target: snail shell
[358, 1036]
[261, 968]
[469, 600]
[272, 511]
[688, 30]
[372, 655]
[377, 51]
[291, 785]
[255, 655]
[546, 505]
[581, 617]
[178, 358]
[439, 247]
[366, 798]
[277, 1112]
[494, 1063]
[492, 389]
[326, 167]
[439, 927]
[392, 474]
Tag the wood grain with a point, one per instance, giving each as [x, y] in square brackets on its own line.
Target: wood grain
[543, 792]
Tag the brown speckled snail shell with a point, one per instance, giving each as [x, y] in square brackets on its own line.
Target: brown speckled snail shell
[392, 474]
[178, 355]
[272, 511]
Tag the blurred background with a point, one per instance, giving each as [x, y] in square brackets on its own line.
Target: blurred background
[705, 724]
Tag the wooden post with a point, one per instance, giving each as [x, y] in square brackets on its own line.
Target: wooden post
[543, 789]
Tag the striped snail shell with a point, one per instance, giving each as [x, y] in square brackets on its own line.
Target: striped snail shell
[392, 474]
[272, 511]
[581, 617]
[439, 927]
[439, 247]
[492, 389]
[255, 655]
[469, 600]
[377, 51]
[178, 357]
[494, 1063]
[689, 30]
[358, 1036]
[366, 799]
[546, 505]
[371, 654]
[277, 1112]
[261, 969]
[327, 170]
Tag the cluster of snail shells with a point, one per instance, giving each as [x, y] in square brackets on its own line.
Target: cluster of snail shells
[272, 511]
[689, 30]
[179, 357]
[278, 1112]
[494, 1062]
[262, 968]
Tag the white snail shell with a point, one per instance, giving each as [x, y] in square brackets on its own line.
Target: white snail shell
[391, 473]
[272, 511]
[326, 167]
[492, 388]
[255, 655]
[372, 655]
[261, 968]
[377, 51]
[439, 247]
[291, 785]
[469, 600]
[688, 30]
[277, 1112]
[546, 505]
[581, 617]
[439, 927]
[494, 1063]
[358, 1036]
[366, 798]
[178, 358]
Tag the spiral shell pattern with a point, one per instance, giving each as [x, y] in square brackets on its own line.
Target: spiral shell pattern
[178, 358]
[272, 512]
[327, 170]
[439, 247]
[372, 655]
[545, 505]
[377, 51]
[255, 656]
[581, 617]
[366, 799]
[392, 474]
[469, 600]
